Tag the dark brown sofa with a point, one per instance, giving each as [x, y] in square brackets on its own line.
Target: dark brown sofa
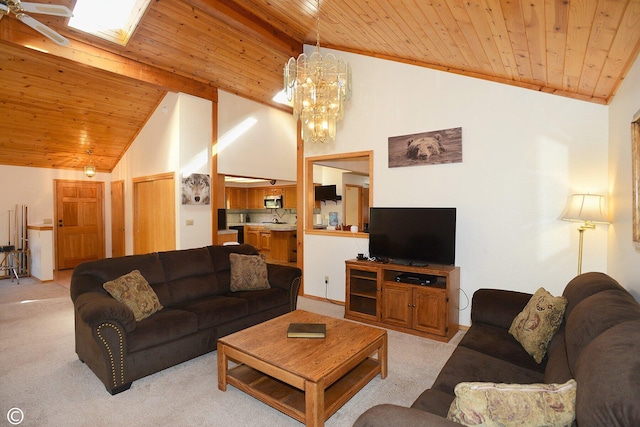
[193, 286]
[598, 345]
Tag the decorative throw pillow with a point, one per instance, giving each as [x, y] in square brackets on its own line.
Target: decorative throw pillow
[534, 326]
[491, 404]
[134, 291]
[248, 272]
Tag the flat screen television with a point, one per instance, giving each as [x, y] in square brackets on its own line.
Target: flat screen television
[413, 236]
[326, 192]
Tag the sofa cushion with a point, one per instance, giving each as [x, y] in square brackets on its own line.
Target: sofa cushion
[497, 342]
[608, 373]
[535, 325]
[166, 325]
[264, 299]
[90, 276]
[248, 272]
[497, 307]
[466, 364]
[189, 274]
[434, 401]
[594, 315]
[215, 310]
[497, 405]
[585, 285]
[220, 255]
[557, 369]
[134, 291]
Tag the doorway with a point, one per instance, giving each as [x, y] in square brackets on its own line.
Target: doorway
[117, 219]
[79, 218]
[154, 213]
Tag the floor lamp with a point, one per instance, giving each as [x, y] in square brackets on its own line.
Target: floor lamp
[590, 209]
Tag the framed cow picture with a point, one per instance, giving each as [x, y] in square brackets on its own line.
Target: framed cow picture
[426, 148]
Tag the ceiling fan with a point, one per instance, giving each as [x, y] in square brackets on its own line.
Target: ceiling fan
[19, 8]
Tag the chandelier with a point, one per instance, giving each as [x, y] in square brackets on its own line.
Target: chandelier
[90, 169]
[318, 87]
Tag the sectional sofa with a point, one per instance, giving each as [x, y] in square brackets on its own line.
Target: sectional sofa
[195, 304]
[593, 359]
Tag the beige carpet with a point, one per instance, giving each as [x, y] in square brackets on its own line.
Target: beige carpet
[41, 375]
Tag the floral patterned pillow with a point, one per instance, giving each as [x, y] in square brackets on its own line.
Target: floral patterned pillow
[493, 405]
[534, 326]
[248, 272]
[134, 291]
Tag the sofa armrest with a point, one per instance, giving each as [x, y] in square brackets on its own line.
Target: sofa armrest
[497, 307]
[94, 308]
[390, 415]
[287, 278]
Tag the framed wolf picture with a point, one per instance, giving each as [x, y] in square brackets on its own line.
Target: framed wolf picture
[196, 189]
[426, 148]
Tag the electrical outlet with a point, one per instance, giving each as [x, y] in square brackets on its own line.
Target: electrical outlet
[326, 280]
[189, 222]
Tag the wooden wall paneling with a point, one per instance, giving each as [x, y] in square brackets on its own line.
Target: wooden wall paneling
[617, 62]
[581, 14]
[557, 22]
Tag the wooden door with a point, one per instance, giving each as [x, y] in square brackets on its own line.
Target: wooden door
[79, 216]
[117, 219]
[353, 205]
[154, 214]
[430, 310]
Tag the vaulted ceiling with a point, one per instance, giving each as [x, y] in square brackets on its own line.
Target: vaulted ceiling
[59, 102]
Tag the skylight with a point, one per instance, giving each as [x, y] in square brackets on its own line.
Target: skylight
[114, 20]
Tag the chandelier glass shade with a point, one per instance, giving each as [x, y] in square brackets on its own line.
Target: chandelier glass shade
[90, 170]
[318, 88]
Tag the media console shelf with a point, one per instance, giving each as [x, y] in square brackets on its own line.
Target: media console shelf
[374, 296]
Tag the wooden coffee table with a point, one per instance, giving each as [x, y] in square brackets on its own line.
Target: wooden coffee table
[308, 379]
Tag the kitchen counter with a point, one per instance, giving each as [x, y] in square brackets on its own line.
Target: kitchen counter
[268, 226]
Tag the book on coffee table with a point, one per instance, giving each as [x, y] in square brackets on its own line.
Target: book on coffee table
[307, 330]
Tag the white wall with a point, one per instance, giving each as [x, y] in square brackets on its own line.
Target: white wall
[524, 153]
[266, 148]
[176, 138]
[33, 187]
[195, 154]
[624, 257]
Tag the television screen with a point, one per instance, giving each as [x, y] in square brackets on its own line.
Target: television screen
[413, 236]
[326, 192]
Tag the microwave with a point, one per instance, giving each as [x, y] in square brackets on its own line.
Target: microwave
[273, 202]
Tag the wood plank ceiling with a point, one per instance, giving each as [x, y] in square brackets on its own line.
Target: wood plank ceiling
[58, 102]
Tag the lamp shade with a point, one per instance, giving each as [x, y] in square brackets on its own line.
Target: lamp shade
[586, 207]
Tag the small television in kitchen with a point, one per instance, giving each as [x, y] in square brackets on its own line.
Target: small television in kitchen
[413, 236]
[326, 192]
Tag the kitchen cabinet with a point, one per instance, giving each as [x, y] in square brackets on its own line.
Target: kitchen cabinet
[252, 236]
[255, 198]
[374, 295]
[265, 239]
[290, 197]
[236, 197]
[272, 191]
[258, 237]
[283, 245]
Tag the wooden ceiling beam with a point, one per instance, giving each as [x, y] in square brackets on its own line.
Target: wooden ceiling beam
[94, 57]
[230, 13]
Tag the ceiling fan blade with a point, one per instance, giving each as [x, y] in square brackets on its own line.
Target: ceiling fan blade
[42, 29]
[46, 9]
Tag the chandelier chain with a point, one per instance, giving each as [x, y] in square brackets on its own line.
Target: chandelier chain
[318, 25]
